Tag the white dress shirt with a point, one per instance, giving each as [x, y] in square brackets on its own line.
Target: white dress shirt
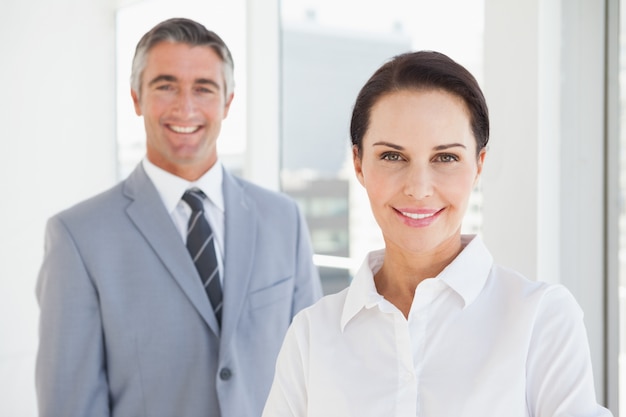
[480, 341]
[171, 189]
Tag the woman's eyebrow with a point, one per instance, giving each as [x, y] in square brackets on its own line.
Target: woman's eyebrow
[389, 144]
[436, 148]
[448, 146]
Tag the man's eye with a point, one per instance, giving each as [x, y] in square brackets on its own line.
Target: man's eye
[205, 89]
[164, 87]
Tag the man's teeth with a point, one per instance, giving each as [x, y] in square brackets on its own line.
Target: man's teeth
[417, 216]
[181, 129]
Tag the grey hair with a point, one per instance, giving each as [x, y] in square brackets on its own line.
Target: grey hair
[187, 31]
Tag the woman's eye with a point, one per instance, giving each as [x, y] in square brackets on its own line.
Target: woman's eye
[446, 157]
[390, 156]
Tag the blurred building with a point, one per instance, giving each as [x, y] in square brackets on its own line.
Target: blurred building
[317, 100]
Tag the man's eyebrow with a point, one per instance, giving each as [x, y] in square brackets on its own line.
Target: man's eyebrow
[161, 78]
[171, 79]
[207, 81]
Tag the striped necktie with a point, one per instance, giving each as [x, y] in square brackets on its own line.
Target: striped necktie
[201, 246]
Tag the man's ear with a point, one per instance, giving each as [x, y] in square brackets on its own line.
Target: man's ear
[135, 97]
[229, 100]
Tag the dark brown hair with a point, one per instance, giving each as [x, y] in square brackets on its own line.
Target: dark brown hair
[421, 70]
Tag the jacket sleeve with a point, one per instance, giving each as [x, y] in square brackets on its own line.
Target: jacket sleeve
[70, 372]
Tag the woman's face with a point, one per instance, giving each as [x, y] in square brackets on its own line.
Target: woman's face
[419, 166]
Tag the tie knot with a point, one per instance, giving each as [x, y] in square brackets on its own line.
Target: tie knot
[194, 197]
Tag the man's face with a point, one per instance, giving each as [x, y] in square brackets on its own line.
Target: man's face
[183, 104]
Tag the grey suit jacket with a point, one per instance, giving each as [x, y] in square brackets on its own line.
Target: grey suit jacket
[126, 328]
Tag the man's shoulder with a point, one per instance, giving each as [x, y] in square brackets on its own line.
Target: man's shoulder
[98, 204]
[111, 200]
[261, 194]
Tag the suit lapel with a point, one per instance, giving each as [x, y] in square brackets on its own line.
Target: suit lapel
[152, 220]
[240, 240]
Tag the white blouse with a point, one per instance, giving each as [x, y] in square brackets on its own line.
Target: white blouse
[480, 341]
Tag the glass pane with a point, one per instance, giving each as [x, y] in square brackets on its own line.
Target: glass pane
[327, 55]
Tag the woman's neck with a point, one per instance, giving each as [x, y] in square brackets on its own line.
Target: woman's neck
[402, 272]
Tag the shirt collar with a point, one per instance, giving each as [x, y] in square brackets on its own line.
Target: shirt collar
[468, 272]
[362, 292]
[466, 275]
[171, 187]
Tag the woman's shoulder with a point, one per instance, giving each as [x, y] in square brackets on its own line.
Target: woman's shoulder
[327, 308]
[516, 286]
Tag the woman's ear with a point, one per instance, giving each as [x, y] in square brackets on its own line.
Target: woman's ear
[358, 167]
[479, 164]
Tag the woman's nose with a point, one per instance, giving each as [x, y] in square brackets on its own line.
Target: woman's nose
[418, 183]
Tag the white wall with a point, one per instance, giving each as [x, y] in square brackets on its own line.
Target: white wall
[58, 147]
[583, 191]
[543, 183]
[262, 162]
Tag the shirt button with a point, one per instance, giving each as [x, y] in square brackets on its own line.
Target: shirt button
[225, 374]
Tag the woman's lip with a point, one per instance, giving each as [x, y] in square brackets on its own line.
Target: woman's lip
[418, 213]
[418, 218]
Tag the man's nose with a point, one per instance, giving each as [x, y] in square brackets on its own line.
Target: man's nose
[185, 102]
